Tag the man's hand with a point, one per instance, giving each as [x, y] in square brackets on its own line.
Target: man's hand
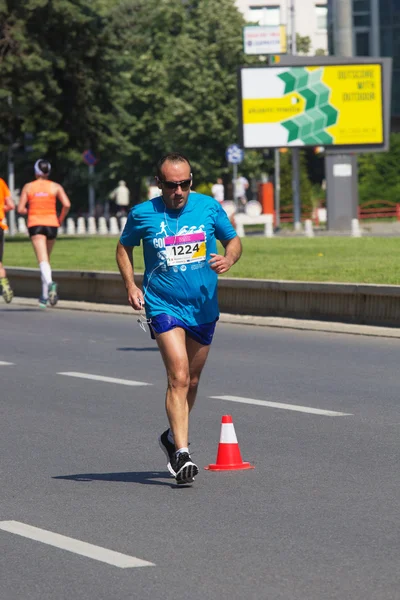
[135, 297]
[219, 264]
[233, 250]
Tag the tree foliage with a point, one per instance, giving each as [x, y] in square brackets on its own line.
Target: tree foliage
[129, 79]
[184, 79]
[303, 44]
[378, 174]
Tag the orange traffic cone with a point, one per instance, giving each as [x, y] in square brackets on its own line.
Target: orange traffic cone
[228, 456]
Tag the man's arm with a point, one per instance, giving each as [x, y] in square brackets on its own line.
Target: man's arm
[233, 251]
[124, 258]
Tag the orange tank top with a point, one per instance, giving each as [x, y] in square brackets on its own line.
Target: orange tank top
[4, 193]
[42, 203]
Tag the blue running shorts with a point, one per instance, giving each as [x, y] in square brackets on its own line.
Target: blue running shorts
[203, 334]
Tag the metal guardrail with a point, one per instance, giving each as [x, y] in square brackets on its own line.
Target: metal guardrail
[366, 304]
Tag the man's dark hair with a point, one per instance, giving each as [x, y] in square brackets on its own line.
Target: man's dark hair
[174, 157]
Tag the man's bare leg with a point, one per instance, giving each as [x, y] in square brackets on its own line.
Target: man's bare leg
[197, 355]
[172, 345]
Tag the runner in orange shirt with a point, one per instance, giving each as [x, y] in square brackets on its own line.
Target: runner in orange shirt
[41, 197]
[6, 204]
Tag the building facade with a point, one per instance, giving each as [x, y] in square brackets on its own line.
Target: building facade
[376, 32]
[310, 18]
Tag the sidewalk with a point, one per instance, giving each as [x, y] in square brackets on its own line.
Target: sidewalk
[283, 323]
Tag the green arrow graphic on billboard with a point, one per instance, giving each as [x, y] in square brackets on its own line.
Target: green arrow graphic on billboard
[309, 127]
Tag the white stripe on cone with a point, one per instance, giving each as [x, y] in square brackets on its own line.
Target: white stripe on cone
[228, 435]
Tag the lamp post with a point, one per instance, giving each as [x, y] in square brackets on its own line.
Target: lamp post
[295, 151]
[10, 172]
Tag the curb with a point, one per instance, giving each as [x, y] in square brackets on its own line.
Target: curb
[278, 322]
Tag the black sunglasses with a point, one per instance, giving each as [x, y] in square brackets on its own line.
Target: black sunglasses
[173, 185]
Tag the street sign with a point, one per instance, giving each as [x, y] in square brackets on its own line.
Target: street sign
[264, 39]
[234, 154]
[89, 158]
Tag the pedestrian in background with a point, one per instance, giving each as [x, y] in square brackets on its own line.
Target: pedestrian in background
[241, 186]
[153, 191]
[39, 201]
[218, 190]
[6, 204]
[121, 196]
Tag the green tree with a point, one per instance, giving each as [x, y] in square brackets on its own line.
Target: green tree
[378, 174]
[303, 44]
[184, 59]
[130, 79]
[58, 82]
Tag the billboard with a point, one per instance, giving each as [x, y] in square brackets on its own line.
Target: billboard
[320, 105]
[264, 39]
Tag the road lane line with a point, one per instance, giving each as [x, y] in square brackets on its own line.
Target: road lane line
[101, 378]
[116, 559]
[304, 409]
[3, 363]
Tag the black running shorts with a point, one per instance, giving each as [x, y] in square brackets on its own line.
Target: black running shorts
[1, 244]
[49, 232]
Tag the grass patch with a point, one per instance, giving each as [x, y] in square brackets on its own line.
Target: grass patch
[354, 260]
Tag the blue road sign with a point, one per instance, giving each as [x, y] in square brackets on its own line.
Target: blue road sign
[89, 158]
[234, 154]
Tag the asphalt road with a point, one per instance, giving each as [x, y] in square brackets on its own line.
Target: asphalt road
[318, 517]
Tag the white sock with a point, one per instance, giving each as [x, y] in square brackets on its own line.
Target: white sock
[182, 450]
[45, 272]
[171, 436]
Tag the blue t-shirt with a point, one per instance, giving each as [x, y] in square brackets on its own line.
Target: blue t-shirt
[186, 291]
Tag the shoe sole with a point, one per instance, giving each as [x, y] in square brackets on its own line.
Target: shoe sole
[187, 473]
[8, 295]
[163, 448]
[53, 296]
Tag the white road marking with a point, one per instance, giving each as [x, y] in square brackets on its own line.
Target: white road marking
[123, 561]
[5, 364]
[101, 378]
[304, 409]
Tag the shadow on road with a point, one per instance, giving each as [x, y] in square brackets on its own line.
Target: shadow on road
[143, 477]
[152, 349]
[36, 310]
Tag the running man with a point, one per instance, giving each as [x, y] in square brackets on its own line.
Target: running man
[6, 204]
[41, 197]
[179, 290]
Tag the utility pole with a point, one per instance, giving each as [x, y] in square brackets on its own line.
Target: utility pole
[91, 191]
[10, 171]
[295, 151]
[343, 30]
[341, 169]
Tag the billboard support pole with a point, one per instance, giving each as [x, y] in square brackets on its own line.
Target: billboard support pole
[296, 188]
[277, 182]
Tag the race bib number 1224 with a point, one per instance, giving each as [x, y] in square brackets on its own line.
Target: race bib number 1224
[184, 249]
